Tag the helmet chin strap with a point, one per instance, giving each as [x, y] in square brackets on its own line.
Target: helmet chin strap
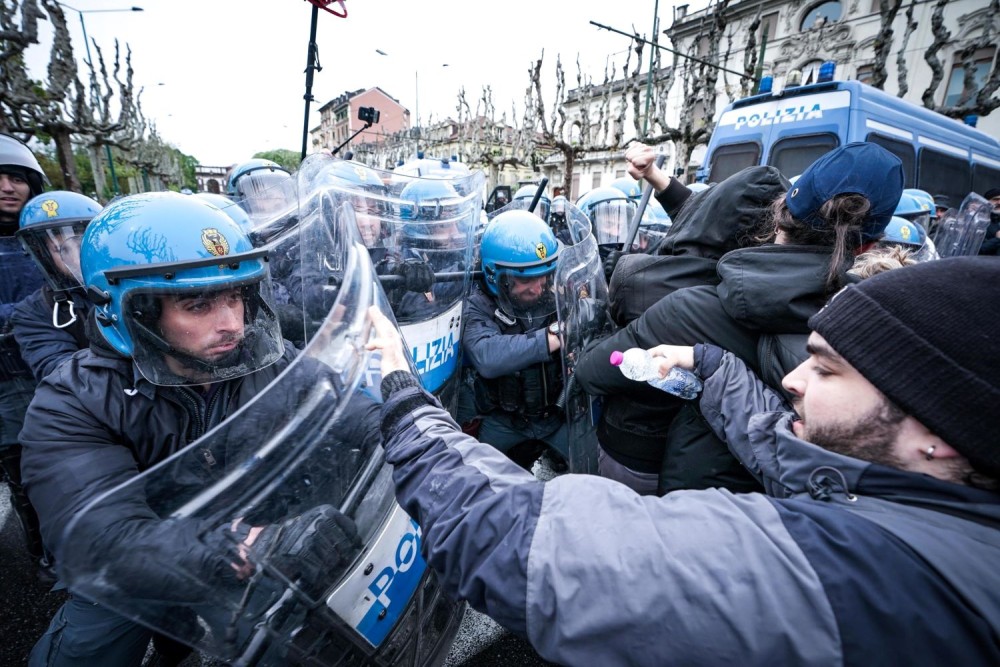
[55, 315]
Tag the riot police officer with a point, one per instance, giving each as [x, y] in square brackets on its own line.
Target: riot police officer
[511, 337]
[21, 178]
[49, 324]
[187, 336]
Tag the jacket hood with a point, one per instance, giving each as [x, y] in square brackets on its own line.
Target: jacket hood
[774, 288]
[790, 467]
[726, 216]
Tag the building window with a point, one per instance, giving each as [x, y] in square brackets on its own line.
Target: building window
[595, 181]
[827, 12]
[769, 24]
[865, 73]
[983, 59]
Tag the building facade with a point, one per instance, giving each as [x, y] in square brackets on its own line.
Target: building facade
[802, 34]
[339, 119]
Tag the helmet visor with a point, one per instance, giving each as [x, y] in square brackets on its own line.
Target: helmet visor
[201, 335]
[611, 220]
[56, 251]
[530, 298]
[264, 193]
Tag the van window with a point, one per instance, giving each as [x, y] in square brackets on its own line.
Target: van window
[901, 149]
[984, 178]
[944, 174]
[792, 155]
[731, 158]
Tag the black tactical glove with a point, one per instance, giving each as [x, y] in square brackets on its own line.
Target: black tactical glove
[418, 276]
[610, 262]
[311, 549]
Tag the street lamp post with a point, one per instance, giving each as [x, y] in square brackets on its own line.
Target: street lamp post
[416, 96]
[93, 74]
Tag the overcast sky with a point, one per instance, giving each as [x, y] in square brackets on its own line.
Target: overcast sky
[232, 73]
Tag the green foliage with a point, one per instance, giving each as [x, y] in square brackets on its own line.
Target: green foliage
[188, 163]
[286, 158]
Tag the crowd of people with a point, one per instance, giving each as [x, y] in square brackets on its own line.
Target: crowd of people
[832, 496]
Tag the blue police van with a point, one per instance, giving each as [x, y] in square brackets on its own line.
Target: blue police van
[792, 128]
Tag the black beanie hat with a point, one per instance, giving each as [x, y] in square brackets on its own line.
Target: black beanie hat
[991, 193]
[926, 336]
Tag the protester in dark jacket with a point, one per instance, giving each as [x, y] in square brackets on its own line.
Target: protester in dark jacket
[836, 207]
[875, 542]
[991, 241]
[706, 225]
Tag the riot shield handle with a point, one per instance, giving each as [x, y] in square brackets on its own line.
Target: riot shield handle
[538, 195]
[647, 191]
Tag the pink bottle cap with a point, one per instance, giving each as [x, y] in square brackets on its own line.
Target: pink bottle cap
[617, 358]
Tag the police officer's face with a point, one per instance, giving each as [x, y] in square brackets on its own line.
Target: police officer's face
[527, 291]
[65, 252]
[14, 194]
[207, 327]
[370, 227]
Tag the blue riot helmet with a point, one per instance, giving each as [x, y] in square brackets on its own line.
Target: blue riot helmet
[17, 159]
[629, 186]
[432, 215]
[51, 229]
[925, 197]
[652, 228]
[229, 207]
[519, 254]
[370, 203]
[915, 209]
[610, 213]
[526, 193]
[177, 286]
[910, 236]
[262, 187]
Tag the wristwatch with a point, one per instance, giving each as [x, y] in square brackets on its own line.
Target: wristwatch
[555, 329]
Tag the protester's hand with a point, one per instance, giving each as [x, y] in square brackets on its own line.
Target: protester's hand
[610, 262]
[668, 356]
[387, 340]
[641, 161]
[417, 276]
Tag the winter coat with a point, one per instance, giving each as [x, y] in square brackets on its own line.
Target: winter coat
[706, 226]
[96, 423]
[843, 562]
[43, 345]
[763, 292]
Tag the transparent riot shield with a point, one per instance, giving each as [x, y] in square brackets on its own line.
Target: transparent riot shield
[433, 223]
[963, 233]
[582, 307]
[275, 539]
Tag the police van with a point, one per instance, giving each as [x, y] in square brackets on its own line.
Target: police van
[792, 128]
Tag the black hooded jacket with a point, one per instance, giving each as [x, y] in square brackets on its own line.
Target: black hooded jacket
[759, 311]
[706, 225]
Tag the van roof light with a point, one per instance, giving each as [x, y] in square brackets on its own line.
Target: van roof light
[766, 83]
[827, 71]
[793, 79]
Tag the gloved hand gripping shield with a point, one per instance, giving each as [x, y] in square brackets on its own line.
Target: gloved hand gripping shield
[275, 538]
[582, 306]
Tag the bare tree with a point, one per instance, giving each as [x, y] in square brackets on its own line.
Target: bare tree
[973, 99]
[883, 40]
[902, 72]
[60, 108]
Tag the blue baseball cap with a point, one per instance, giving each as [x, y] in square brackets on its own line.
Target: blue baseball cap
[858, 168]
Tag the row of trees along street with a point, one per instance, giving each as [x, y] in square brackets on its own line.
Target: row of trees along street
[714, 54]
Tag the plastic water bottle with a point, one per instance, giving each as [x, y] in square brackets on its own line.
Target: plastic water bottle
[637, 364]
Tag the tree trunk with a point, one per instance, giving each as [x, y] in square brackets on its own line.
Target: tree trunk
[64, 153]
[97, 166]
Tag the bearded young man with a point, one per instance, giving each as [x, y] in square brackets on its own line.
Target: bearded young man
[875, 543]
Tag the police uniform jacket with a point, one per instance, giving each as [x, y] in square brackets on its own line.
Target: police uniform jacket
[840, 562]
[44, 346]
[96, 423]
